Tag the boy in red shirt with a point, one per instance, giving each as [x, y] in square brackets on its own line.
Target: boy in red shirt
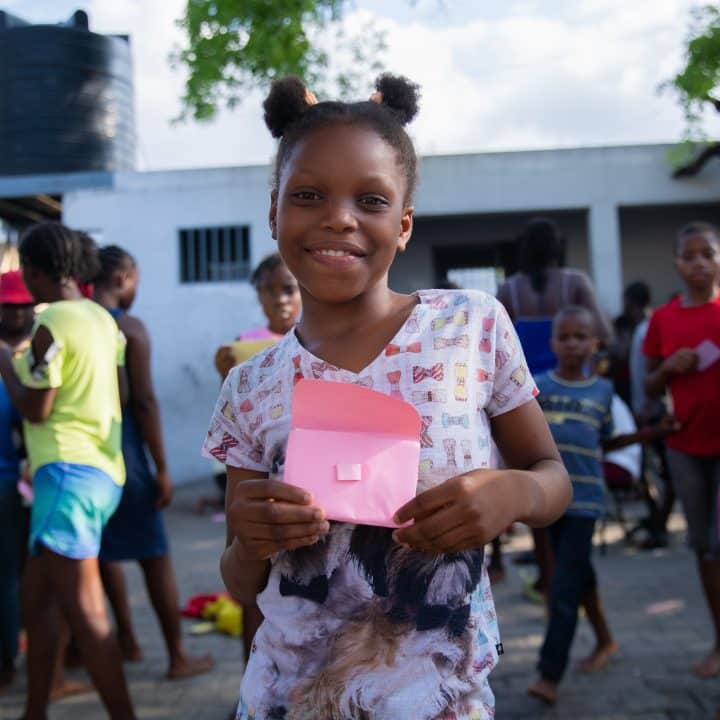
[683, 349]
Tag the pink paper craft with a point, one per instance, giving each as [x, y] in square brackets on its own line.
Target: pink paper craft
[708, 354]
[356, 450]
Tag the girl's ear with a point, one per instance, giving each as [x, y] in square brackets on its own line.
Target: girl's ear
[272, 217]
[406, 227]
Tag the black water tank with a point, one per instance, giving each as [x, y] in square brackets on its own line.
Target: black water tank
[66, 98]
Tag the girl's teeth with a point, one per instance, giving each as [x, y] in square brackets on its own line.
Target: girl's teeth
[334, 253]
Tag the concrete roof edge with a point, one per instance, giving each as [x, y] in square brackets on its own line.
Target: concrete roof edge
[56, 184]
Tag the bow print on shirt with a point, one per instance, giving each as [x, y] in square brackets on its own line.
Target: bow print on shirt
[461, 341]
[436, 372]
[422, 396]
[459, 318]
[392, 349]
[459, 420]
[219, 452]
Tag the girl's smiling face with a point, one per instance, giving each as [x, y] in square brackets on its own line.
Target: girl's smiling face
[339, 213]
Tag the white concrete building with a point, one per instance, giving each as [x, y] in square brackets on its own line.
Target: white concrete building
[193, 230]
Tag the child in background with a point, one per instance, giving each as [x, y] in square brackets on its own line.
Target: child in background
[16, 319]
[279, 295]
[66, 387]
[364, 622]
[578, 408]
[136, 531]
[683, 346]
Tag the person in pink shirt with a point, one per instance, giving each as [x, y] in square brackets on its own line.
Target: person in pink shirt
[279, 295]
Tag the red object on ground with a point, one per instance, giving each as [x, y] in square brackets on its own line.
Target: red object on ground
[196, 604]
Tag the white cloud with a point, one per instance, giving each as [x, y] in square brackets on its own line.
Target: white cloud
[510, 75]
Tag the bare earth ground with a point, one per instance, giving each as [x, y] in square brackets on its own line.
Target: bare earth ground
[653, 601]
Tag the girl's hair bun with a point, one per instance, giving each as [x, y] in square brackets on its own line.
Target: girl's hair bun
[399, 95]
[286, 102]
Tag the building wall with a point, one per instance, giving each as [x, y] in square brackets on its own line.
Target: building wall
[461, 200]
[647, 242]
[143, 213]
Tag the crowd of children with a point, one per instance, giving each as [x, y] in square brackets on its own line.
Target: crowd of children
[346, 621]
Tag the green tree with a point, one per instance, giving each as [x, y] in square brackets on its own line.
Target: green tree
[698, 87]
[233, 46]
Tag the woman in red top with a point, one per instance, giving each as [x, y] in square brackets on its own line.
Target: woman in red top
[683, 349]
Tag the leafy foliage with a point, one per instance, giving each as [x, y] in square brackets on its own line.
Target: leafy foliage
[697, 85]
[234, 46]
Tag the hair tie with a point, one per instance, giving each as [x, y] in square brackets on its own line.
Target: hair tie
[376, 97]
[310, 98]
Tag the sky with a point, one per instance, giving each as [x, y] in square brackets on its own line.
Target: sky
[495, 74]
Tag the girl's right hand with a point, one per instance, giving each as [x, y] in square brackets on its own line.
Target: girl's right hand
[267, 516]
[680, 362]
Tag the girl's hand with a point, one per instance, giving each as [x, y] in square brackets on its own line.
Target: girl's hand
[163, 489]
[680, 362]
[463, 513]
[224, 360]
[267, 516]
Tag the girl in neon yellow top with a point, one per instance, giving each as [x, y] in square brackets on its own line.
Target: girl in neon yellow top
[67, 388]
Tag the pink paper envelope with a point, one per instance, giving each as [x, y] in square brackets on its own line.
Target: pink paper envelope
[356, 450]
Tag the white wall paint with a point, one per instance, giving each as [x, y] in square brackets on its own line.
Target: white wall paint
[143, 212]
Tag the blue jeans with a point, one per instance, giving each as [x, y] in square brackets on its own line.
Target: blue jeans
[13, 537]
[573, 579]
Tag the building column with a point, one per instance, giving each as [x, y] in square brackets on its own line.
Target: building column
[605, 256]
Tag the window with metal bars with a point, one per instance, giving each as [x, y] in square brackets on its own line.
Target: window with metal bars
[214, 254]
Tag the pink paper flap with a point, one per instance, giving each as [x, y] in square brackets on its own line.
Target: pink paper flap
[323, 405]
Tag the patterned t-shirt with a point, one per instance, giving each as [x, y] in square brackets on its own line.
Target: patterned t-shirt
[357, 626]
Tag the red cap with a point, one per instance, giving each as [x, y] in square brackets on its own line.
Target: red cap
[13, 290]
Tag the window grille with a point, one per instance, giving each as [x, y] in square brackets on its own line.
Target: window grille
[214, 254]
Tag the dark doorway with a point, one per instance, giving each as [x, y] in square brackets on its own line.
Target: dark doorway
[499, 256]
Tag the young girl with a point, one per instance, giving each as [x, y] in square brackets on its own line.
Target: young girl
[279, 295]
[364, 622]
[66, 388]
[136, 530]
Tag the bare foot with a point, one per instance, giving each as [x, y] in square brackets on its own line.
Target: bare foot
[544, 690]
[598, 658]
[496, 573]
[130, 650]
[68, 688]
[189, 666]
[709, 667]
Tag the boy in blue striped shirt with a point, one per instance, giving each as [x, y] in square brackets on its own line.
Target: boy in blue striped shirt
[577, 406]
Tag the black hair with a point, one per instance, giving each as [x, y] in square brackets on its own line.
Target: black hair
[575, 311]
[540, 246]
[696, 227]
[290, 117]
[265, 267]
[59, 252]
[112, 259]
[638, 294]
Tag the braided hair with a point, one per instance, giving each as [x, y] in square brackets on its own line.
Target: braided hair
[291, 114]
[59, 252]
[113, 258]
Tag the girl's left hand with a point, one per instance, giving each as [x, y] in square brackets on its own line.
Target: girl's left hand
[465, 512]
